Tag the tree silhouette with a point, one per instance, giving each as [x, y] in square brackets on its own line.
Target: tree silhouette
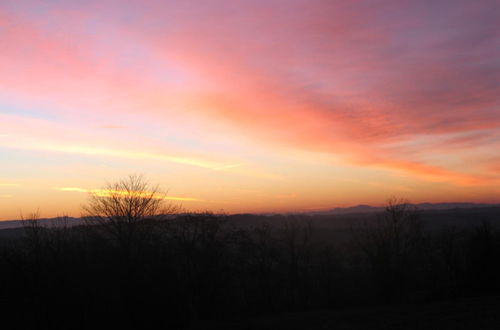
[125, 210]
[391, 245]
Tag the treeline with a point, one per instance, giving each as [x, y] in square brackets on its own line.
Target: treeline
[175, 270]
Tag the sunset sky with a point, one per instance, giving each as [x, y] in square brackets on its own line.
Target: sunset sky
[249, 106]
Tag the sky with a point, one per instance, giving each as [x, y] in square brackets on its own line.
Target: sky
[249, 106]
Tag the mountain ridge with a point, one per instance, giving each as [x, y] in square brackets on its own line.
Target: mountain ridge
[361, 208]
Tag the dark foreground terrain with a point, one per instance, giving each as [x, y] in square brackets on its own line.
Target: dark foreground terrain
[399, 268]
[472, 313]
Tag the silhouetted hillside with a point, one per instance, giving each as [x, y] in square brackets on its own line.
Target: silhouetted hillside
[420, 206]
[384, 269]
[464, 314]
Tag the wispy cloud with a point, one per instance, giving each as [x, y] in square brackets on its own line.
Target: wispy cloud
[36, 134]
[120, 193]
[408, 88]
[112, 126]
[225, 167]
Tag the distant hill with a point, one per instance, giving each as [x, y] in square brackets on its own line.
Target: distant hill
[49, 222]
[420, 206]
[348, 212]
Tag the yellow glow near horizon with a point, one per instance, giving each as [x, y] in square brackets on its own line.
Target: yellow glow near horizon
[123, 193]
[219, 114]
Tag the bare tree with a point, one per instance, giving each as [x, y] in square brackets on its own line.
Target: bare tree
[298, 242]
[33, 230]
[391, 244]
[126, 209]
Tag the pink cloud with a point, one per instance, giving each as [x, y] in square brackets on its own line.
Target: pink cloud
[349, 79]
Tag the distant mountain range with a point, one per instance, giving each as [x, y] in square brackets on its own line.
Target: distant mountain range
[70, 221]
[420, 206]
[49, 222]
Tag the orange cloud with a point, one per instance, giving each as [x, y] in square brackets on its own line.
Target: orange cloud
[122, 193]
[344, 81]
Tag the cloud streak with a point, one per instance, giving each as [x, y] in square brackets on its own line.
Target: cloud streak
[407, 88]
[111, 193]
[36, 134]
